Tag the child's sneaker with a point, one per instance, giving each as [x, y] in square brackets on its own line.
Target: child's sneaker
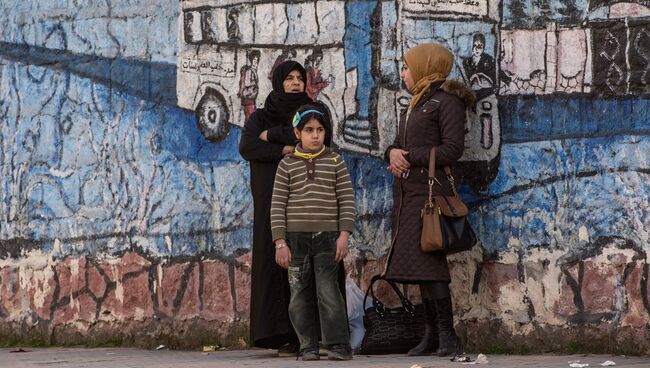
[309, 354]
[340, 352]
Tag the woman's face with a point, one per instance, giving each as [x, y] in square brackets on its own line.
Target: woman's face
[293, 83]
[406, 77]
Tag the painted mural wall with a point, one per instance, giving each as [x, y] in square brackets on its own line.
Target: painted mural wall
[125, 208]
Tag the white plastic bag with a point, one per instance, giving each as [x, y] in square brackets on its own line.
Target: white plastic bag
[355, 306]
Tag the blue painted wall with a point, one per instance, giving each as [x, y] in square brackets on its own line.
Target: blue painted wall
[96, 158]
[95, 154]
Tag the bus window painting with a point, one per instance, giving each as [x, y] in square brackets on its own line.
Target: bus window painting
[225, 46]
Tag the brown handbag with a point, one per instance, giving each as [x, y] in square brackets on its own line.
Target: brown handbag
[445, 227]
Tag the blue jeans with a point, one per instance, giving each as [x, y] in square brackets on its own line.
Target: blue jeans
[313, 265]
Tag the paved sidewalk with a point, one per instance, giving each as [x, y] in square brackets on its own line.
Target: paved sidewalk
[122, 357]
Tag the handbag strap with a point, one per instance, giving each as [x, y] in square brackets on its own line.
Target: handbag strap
[432, 175]
[379, 306]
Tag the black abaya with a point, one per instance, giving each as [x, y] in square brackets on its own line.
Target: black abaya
[269, 320]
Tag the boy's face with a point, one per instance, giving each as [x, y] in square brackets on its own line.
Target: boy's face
[312, 135]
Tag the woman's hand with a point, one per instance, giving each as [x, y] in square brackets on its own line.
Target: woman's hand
[398, 161]
[282, 254]
[342, 246]
[264, 136]
[287, 150]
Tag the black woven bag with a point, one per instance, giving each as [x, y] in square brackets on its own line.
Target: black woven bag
[391, 330]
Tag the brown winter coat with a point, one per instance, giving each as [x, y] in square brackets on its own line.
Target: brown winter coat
[437, 120]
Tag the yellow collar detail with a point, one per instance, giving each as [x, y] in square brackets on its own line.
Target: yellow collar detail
[308, 155]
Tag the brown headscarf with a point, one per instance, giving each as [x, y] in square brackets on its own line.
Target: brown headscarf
[427, 63]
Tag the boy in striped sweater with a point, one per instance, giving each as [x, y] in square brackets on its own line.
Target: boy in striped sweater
[312, 217]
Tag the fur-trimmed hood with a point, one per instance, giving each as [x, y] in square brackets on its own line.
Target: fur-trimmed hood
[457, 88]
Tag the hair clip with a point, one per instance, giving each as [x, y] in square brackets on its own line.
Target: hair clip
[298, 116]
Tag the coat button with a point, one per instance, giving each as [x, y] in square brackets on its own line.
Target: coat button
[310, 160]
[311, 171]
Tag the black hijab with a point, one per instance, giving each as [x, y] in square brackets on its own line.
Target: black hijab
[279, 106]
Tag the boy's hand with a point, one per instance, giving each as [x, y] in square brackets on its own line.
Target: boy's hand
[283, 254]
[342, 246]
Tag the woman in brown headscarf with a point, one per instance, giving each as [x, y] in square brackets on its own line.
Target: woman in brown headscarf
[435, 118]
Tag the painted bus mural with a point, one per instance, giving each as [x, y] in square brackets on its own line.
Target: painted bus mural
[125, 203]
[223, 50]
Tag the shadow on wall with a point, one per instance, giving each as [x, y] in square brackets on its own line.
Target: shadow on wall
[103, 168]
[151, 81]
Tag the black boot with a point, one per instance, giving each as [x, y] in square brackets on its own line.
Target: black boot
[448, 341]
[429, 342]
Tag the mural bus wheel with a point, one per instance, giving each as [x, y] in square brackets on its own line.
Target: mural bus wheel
[212, 116]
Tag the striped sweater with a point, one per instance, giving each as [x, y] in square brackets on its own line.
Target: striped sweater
[312, 195]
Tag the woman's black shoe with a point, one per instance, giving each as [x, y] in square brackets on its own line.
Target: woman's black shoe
[448, 342]
[429, 342]
[290, 349]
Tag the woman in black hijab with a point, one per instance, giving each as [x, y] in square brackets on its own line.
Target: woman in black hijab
[266, 138]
